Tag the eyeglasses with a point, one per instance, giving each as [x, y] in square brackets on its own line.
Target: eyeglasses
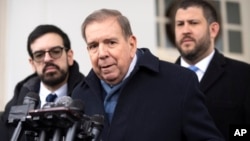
[55, 52]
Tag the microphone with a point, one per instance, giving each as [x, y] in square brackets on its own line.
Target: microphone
[65, 101]
[98, 123]
[63, 114]
[66, 119]
[19, 112]
[78, 106]
[30, 102]
[31, 99]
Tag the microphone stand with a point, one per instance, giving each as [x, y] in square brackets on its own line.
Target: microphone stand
[71, 132]
[42, 136]
[17, 131]
[57, 134]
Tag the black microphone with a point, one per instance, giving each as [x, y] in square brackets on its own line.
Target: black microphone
[64, 101]
[63, 113]
[31, 99]
[78, 105]
[67, 115]
[30, 102]
[19, 112]
[97, 126]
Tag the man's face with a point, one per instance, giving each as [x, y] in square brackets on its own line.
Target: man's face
[192, 33]
[52, 71]
[110, 53]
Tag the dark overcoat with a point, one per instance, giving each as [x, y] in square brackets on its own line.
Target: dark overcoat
[159, 101]
[226, 85]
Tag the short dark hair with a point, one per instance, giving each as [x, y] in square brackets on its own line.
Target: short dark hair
[208, 8]
[102, 14]
[43, 29]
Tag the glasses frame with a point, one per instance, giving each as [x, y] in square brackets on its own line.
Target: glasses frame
[50, 51]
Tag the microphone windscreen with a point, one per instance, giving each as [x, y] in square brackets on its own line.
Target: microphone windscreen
[48, 105]
[64, 101]
[31, 97]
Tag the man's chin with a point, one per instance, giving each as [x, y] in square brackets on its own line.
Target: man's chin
[187, 50]
[51, 81]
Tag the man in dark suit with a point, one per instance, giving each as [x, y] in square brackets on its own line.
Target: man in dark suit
[224, 81]
[141, 97]
[55, 71]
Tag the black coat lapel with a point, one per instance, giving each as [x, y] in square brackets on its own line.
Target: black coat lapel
[214, 71]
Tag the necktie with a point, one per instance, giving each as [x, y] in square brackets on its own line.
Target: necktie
[193, 68]
[51, 98]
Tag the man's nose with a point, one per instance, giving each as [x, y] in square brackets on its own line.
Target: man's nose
[102, 51]
[47, 57]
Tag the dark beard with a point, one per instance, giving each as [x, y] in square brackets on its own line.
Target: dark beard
[190, 56]
[50, 79]
[201, 47]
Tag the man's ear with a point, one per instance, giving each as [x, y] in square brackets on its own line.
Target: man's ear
[70, 57]
[133, 45]
[214, 29]
[32, 64]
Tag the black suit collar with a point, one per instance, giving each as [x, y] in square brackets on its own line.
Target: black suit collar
[214, 71]
[145, 60]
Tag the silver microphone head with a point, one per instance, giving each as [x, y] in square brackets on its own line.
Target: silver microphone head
[64, 101]
[48, 105]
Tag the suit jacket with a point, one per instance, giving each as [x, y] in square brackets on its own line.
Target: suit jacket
[159, 101]
[226, 84]
[32, 83]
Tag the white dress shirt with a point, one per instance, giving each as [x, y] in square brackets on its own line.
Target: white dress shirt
[202, 65]
[44, 92]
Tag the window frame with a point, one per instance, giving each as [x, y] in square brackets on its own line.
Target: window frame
[170, 53]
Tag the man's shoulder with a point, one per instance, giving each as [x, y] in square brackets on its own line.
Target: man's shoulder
[237, 63]
[229, 62]
[29, 80]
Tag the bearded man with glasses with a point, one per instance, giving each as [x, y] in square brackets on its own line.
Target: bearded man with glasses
[55, 71]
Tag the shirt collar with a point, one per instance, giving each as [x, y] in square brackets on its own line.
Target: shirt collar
[202, 65]
[62, 91]
[131, 67]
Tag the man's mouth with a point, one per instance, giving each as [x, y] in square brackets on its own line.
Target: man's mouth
[50, 69]
[106, 68]
[185, 40]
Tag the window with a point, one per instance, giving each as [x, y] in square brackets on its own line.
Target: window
[233, 40]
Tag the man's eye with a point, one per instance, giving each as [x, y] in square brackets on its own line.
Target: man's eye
[56, 51]
[179, 24]
[194, 23]
[92, 46]
[112, 42]
[38, 54]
